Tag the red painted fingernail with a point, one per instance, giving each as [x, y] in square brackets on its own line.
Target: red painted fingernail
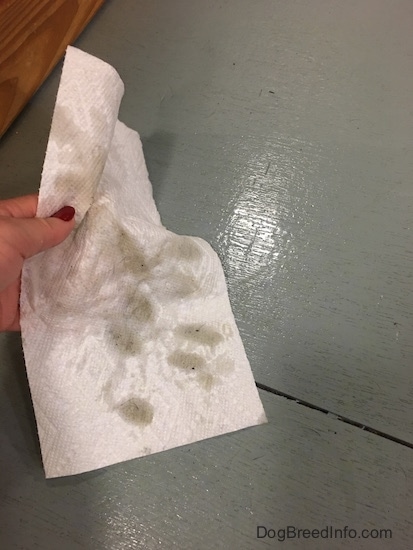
[66, 213]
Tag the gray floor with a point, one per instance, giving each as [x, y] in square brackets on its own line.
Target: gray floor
[282, 132]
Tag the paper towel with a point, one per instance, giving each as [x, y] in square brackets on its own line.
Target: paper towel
[130, 344]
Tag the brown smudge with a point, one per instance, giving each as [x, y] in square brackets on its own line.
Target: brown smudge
[125, 339]
[180, 248]
[139, 307]
[136, 411]
[206, 380]
[133, 259]
[186, 361]
[200, 334]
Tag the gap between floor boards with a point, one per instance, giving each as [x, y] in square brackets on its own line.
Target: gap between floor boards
[339, 417]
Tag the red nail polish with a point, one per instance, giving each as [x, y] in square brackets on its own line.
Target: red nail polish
[66, 213]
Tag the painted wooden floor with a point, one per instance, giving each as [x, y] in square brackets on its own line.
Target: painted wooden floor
[281, 132]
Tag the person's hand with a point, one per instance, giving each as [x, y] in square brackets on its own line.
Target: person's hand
[22, 236]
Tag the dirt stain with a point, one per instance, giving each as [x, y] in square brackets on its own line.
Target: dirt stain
[200, 334]
[125, 339]
[186, 361]
[136, 411]
[139, 307]
[206, 380]
[133, 258]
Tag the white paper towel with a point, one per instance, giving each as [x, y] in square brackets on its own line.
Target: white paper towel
[130, 344]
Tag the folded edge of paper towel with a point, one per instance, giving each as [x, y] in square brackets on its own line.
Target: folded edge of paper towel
[72, 169]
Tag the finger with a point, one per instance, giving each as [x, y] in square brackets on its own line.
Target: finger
[29, 236]
[19, 207]
[15, 296]
[15, 326]
[9, 308]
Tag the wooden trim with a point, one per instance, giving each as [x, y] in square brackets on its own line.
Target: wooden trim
[34, 35]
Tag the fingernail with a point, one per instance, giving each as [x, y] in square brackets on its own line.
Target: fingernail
[66, 213]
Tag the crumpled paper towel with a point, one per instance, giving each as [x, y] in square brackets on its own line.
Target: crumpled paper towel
[130, 344]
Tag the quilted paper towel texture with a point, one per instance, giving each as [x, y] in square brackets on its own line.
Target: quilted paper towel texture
[130, 344]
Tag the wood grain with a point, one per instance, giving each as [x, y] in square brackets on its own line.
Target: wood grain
[34, 35]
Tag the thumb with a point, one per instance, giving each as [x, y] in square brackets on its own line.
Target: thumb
[37, 234]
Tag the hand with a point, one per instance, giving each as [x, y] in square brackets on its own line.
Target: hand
[22, 236]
